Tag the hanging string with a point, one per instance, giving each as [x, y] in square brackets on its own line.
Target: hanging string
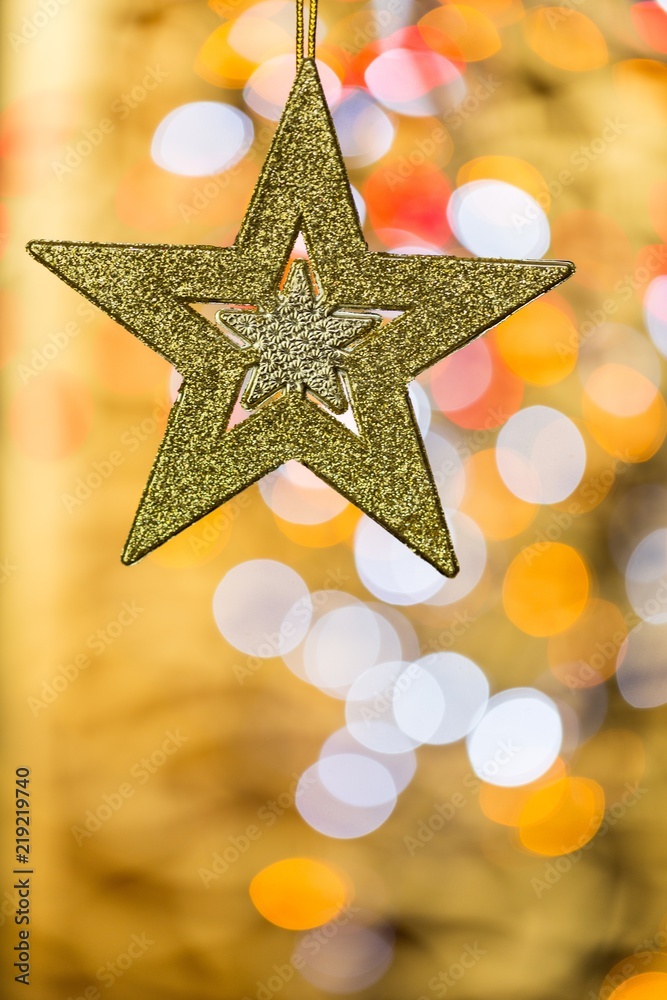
[312, 26]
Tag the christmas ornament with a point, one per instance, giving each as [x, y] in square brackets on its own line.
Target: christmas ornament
[298, 343]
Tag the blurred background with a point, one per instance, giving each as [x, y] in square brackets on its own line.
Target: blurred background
[242, 786]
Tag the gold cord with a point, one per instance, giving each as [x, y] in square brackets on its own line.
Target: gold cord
[312, 26]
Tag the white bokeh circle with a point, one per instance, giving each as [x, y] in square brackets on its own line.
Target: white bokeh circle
[389, 569]
[641, 674]
[332, 817]
[495, 219]
[393, 707]
[465, 690]
[262, 608]
[541, 455]
[202, 138]
[401, 766]
[518, 738]
[646, 577]
[357, 779]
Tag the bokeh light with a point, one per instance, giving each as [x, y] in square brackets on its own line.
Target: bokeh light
[415, 82]
[474, 388]
[299, 893]
[469, 543]
[267, 89]
[324, 603]
[541, 455]
[630, 436]
[465, 691]
[546, 588]
[394, 707]
[496, 219]
[619, 345]
[645, 986]
[511, 170]
[585, 654]
[603, 389]
[566, 38]
[364, 130]
[202, 138]
[51, 418]
[389, 569]
[401, 766]
[538, 343]
[487, 500]
[296, 494]
[262, 608]
[655, 312]
[503, 804]
[460, 31]
[646, 577]
[352, 958]
[356, 779]
[562, 817]
[518, 738]
[650, 22]
[265, 30]
[345, 642]
[641, 671]
[332, 817]
[417, 208]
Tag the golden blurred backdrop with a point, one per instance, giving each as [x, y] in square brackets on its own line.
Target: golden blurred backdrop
[189, 835]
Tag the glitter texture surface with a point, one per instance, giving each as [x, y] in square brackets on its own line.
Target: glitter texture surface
[297, 344]
[444, 303]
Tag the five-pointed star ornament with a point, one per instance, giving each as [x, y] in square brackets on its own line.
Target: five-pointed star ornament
[311, 342]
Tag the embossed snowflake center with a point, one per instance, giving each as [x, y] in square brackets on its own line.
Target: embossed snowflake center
[300, 343]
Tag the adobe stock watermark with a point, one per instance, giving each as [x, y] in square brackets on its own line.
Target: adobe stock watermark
[444, 812]
[104, 468]
[211, 189]
[113, 970]
[273, 642]
[203, 535]
[579, 161]
[97, 643]
[461, 623]
[267, 816]
[555, 870]
[474, 441]
[7, 569]
[603, 651]
[32, 24]
[425, 148]
[311, 944]
[643, 954]
[141, 772]
[57, 342]
[121, 108]
[556, 15]
[373, 710]
[445, 981]
[622, 291]
[593, 489]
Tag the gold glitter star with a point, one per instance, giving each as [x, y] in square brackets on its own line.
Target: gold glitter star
[297, 344]
[444, 303]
